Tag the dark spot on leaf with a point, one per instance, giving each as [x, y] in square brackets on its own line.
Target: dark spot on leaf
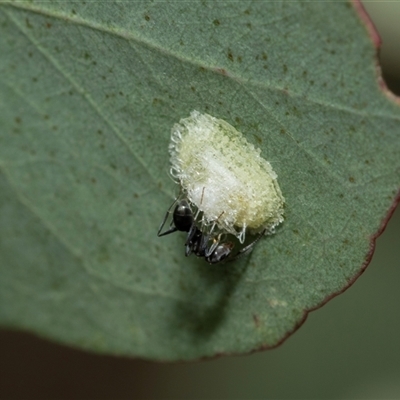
[285, 68]
[34, 79]
[351, 179]
[27, 23]
[256, 320]
[147, 17]
[230, 55]
[193, 88]
[239, 58]
[135, 195]
[48, 25]
[73, 12]
[249, 25]
[54, 127]
[247, 11]
[18, 120]
[94, 62]
[130, 212]
[46, 116]
[264, 56]
[87, 56]
[258, 138]
[327, 160]
[99, 131]
[295, 231]
[113, 166]
[121, 94]
[221, 71]
[216, 22]
[30, 54]
[93, 180]
[103, 255]
[238, 120]
[103, 77]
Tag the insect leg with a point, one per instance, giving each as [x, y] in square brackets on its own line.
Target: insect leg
[171, 227]
[248, 248]
[192, 239]
[213, 246]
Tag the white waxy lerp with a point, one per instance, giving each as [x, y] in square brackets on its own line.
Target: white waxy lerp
[224, 176]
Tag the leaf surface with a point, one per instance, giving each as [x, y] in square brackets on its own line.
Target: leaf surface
[89, 93]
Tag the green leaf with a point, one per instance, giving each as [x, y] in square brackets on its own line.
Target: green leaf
[89, 93]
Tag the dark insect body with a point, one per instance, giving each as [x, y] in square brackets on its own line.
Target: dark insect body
[197, 242]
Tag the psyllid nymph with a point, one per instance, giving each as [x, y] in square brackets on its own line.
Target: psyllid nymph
[226, 187]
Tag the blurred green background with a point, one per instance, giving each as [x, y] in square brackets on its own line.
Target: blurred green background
[348, 349]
